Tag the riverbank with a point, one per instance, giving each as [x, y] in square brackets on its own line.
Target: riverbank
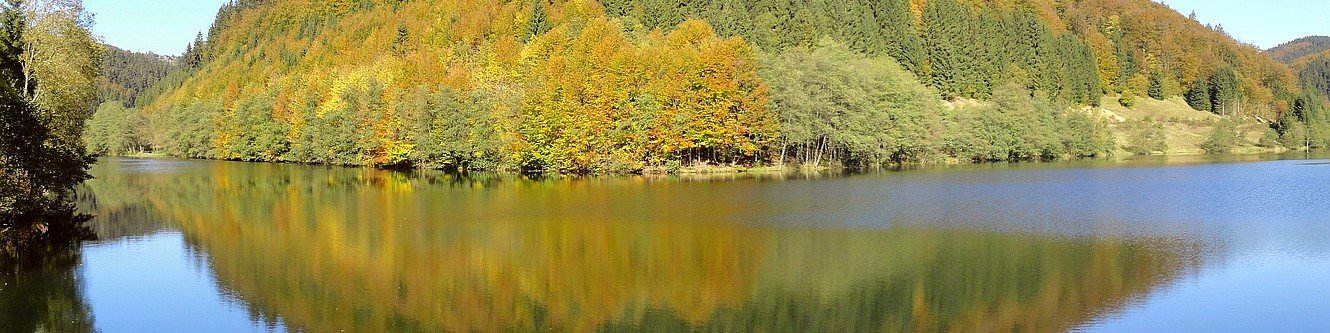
[1177, 130]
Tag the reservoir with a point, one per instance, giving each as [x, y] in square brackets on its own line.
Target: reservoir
[1146, 244]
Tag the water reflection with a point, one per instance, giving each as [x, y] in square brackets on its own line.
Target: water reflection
[329, 249]
[43, 295]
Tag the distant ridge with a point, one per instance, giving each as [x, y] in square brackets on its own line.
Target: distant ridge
[1301, 49]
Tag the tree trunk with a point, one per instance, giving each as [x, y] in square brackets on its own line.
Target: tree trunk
[821, 146]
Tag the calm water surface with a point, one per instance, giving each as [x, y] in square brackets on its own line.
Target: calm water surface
[1151, 244]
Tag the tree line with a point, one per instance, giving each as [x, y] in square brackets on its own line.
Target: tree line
[1307, 125]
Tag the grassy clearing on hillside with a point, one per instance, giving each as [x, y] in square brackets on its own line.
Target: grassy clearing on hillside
[1184, 128]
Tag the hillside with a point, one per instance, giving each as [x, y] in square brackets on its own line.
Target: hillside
[951, 44]
[633, 85]
[1301, 49]
[126, 74]
[1308, 122]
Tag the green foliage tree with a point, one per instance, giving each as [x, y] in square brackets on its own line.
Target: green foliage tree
[1222, 139]
[836, 104]
[61, 63]
[41, 158]
[116, 130]
[258, 137]
[1027, 127]
[1147, 137]
[1307, 125]
[188, 130]
[1270, 139]
[1293, 135]
[453, 131]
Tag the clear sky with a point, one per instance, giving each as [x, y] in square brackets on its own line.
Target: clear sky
[158, 26]
[166, 27]
[1264, 23]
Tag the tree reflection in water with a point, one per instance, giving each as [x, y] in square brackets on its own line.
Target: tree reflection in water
[329, 249]
[40, 292]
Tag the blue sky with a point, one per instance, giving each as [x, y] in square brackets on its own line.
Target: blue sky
[165, 27]
[1264, 23]
[159, 26]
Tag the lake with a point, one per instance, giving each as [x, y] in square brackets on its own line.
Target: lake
[1148, 244]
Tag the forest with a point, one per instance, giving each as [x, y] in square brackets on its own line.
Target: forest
[49, 62]
[126, 74]
[659, 85]
[1301, 50]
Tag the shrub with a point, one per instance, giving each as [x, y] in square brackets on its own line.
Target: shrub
[1269, 140]
[1128, 99]
[1222, 139]
[1147, 138]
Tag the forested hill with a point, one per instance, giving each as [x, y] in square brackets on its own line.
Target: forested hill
[126, 74]
[586, 86]
[1301, 49]
[962, 46]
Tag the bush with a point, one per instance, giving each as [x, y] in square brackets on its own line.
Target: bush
[1222, 139]
[1147, 138]
[1295, 136]
[1128, 99]
[1269, 140]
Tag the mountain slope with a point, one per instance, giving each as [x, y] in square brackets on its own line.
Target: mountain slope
[1300, 49]
[127, 74]
[586, 86]
[1130, 40]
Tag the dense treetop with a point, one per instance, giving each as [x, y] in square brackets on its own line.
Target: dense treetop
[126, 74]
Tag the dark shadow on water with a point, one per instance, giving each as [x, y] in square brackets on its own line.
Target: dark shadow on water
[39, 287]
[45, 234]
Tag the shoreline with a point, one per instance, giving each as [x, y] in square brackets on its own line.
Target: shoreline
[1241, 154]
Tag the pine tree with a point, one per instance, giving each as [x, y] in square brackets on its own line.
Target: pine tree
[898, 37]
[945, 27]
[618, 8]
[1199, 96]
[1316, 76]
[539, 23]
[1224, 93]
[1156, 90]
